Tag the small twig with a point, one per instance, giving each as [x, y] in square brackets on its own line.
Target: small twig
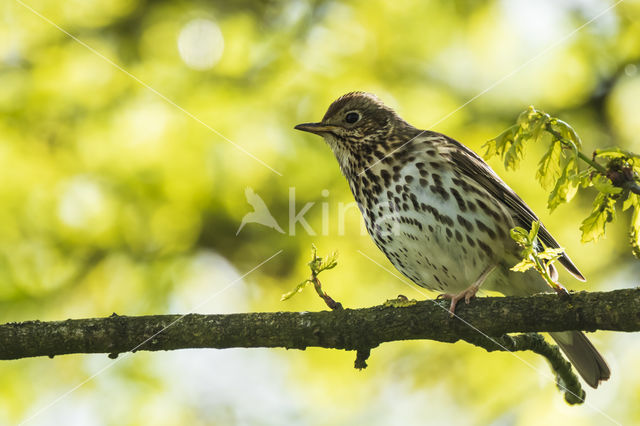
[626, 183]
[632, 186]
[533, 257]
[598, 167]
[332, 304]
[362, 355]
[317, 265]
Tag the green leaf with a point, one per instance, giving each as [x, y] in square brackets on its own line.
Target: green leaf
[527, 116]
[533, 233]
[499, 144]
[634, 232]
[612, 153]
[604, 209]
[531, 258]
[568, 133]
[515, 151]
[523, 266]
[566, 186]
[559, 167]
[296, 290]
[551, 253]
[317, 265]
[583, 178]
[633, 200]
[550, 166]
[539, 126]
[604, 185]
[320, 265]
[520, 236]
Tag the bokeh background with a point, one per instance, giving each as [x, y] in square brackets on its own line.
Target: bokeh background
[119, 194]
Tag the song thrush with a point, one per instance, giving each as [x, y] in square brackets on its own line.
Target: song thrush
[439, 212]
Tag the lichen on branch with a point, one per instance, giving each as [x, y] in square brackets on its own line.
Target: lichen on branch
[347, 329]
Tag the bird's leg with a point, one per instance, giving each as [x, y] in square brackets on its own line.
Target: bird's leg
[467, 293]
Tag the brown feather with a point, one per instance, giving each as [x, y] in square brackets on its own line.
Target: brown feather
[470, 164]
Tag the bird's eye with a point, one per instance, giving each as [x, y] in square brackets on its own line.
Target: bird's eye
[352, 117]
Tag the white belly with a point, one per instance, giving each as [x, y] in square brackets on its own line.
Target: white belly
[426, 234]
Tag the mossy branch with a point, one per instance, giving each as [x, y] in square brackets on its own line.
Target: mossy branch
[485, 322]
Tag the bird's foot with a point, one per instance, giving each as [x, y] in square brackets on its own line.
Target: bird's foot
[400, 302]
[466, 294]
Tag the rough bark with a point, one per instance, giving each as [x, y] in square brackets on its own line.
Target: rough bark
[349, 329]
[484, 322]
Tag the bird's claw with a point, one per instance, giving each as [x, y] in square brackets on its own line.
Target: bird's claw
[466, 294]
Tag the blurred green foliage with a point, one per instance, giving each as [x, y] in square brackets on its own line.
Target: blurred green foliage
[116, 200]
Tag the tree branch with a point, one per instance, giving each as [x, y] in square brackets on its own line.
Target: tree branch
[349, 329]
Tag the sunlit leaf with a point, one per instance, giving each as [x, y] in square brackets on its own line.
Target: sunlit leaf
[499, 145]
[520, 236]
[533, 233]
[515, 151]
[539, 126]
[612, 153]
[565, 188]
[551, 253]
[523, 266]
[317, 265]
[526, 117]
[297, 289]
[593, 227]
[568, 133]
[605, 186]
[320, 264]
[633, 200]
[550, 166]
[634, 233]
[582, 178]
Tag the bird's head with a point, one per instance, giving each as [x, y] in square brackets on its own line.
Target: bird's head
[356, 125]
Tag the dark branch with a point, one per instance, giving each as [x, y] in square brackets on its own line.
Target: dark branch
[359, 329]
[349, 329]
[633, 187]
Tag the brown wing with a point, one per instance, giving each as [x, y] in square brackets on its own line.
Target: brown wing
[471, 165]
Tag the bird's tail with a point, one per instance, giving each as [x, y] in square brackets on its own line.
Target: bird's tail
[583, 355]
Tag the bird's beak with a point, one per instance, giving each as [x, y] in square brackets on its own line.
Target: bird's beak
[316, 128]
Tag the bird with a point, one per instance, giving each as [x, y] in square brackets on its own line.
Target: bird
[260, 213]
[439, 212]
